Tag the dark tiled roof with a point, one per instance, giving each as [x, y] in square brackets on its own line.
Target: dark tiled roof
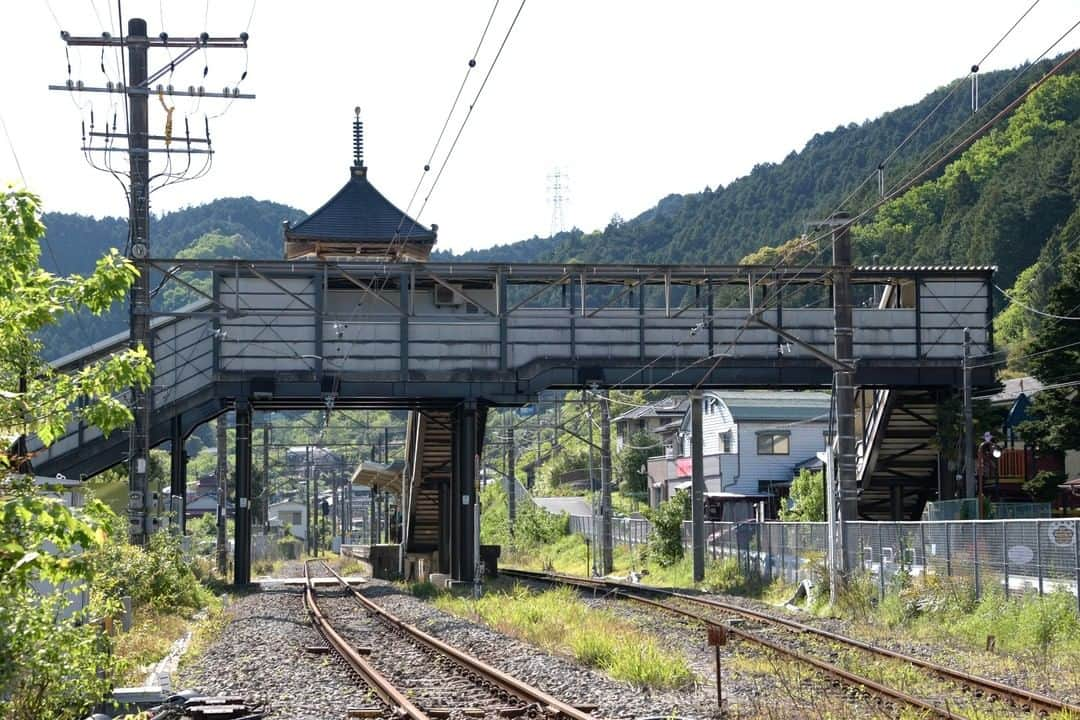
[359, 213]
[668, 407]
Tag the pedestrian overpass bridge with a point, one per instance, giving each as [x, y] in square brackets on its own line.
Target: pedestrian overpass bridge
[453, 339]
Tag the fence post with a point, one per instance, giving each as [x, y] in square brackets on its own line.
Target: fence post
[948, 551]
[757, 556]
[1005, 554]
[1076, 548]
[975, 557]
[795, 572]
[1038, 557]
[783, 551]
[922, 549]
[881, 558]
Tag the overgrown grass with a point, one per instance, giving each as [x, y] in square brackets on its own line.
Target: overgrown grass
[206, 632]
[149, 640]
[559, 621]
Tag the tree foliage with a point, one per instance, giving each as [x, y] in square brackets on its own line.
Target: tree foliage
[807, 498]
[630, 460]
[665, 542]
[1054, 359]
[34, 399]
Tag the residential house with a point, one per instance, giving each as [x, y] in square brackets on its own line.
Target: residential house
[1019, 462]
[291, 514]
[754, 442]
[648, 418]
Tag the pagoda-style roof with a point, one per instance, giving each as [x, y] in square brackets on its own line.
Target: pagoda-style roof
[359, 221]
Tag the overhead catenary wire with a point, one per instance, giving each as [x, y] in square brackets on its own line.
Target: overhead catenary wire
[884, 197]
[1041, 313]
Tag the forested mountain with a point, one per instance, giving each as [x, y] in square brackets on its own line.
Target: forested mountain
[242, 227]
[772, 204]
[1009, 197]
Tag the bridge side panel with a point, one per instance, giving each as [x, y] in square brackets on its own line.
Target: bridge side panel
[275, 326]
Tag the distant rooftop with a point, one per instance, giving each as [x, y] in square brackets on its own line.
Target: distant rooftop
[667, 407]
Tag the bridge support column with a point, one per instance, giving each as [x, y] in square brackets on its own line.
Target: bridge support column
[463, 494]
[242, 513]
[178, 470]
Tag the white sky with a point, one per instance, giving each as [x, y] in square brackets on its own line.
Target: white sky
[633, 100]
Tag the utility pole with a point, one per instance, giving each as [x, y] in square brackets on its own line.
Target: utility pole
[137, 89]
[969, 422]
[223, 491]
[308, 524]
[697, 484]
[593, 488]
[606, 561]
[844, 383]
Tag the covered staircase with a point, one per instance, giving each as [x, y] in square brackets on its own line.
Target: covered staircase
[429, 457]
[898, 453]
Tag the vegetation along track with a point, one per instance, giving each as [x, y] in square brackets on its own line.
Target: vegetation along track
[804, 643]
[415, 674]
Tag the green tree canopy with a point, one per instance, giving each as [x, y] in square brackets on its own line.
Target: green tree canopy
[631, 459]
[34, 399]
[807, 498]
[1054, 357]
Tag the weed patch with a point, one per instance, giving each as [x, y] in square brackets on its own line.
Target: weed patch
[557, 620]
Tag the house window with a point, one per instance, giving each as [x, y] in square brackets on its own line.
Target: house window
[773, 443]
[725, 442]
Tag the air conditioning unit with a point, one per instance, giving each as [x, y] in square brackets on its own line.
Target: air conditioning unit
[446, 297]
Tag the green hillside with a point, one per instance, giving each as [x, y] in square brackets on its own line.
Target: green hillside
[772, 204]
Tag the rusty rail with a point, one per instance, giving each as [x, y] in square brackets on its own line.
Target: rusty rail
[1036, 701]
[507, 683]
[379, 684]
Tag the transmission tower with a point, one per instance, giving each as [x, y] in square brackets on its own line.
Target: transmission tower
[99, 146]
[557, 189]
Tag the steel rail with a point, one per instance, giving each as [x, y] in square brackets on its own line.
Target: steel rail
[505, 682]
[1036, 701]
[866, 684]
[382, 687]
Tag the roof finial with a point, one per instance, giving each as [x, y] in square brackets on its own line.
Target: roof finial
[358, 141]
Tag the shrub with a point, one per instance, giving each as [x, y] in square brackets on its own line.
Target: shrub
[423, 590]
[665, 542]
[156, 576]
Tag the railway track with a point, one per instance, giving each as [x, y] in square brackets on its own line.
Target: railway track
[414, 674]
[805, 643]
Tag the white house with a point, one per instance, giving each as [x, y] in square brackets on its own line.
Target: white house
[291, 514]
[753, 444]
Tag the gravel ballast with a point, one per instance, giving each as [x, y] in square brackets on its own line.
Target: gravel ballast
[261, 655]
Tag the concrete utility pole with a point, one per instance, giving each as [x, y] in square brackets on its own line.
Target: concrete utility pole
[969, 422]
[844, 383]
[137, 88]
[697, 484]
[139, 237]
[223, 491]
[606, 540]
[242, 512]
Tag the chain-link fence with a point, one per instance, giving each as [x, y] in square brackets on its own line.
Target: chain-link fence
[1015, 556]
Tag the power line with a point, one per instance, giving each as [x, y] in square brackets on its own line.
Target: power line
[1035, 310]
